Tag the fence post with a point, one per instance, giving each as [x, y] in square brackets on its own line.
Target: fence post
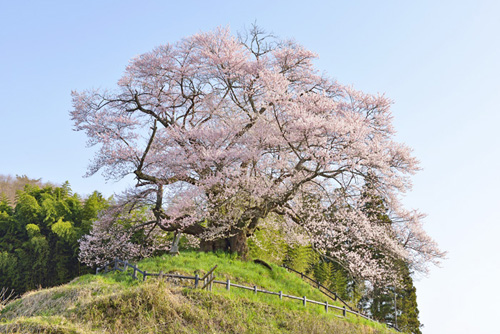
[196, 280]
[304, 301]
[302, 275]
[319, 284]
[125, 266]
[281, 295]
[160, 275]
[134, 275]
[228, 285]
[211, 280]
[116, 264]
[145, 275]
[326, 306]
[255, 289]
[343, 312]
[97, 270]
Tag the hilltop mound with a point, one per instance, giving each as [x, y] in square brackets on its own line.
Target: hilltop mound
[115, 303]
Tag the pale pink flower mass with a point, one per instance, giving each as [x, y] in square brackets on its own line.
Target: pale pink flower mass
[223, 132]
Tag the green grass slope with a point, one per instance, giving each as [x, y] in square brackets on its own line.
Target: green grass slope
[115, 303]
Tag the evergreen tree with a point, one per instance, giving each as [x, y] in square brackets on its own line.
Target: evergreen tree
[335, 278]
[407, 305]
[396, 306]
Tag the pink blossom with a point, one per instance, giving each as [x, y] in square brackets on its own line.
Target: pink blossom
[220, 134]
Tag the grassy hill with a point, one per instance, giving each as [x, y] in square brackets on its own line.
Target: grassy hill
[115, 303]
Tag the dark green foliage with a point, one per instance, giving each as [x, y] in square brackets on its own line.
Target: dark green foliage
[407, 304]
[395, 305]
[381, 305]
[334, 278]
[337, 279]
[39, 235]
[324, 272]
[8, 269]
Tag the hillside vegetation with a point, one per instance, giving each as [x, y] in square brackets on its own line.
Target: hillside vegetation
[39, 234]
[115, 303]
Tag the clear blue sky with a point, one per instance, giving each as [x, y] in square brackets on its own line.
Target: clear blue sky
[438, 60]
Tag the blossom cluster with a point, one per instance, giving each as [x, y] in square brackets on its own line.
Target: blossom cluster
[221, 133]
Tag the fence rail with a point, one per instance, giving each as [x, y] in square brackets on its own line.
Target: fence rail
[209, 279]
[328, 292]
[335, 296]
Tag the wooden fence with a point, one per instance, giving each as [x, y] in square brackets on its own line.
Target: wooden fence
[333, 295]
[209, 279]
[327, 292]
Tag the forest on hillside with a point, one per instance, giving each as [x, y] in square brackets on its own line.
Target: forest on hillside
[39, 231]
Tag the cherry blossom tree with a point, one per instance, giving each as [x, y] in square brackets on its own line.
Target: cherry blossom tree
[118, 233]
[107, 240]
[220, 132]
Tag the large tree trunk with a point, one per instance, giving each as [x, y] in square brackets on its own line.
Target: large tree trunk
[214, 245]
[236, 243]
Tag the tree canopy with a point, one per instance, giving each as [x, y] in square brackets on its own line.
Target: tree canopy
[39, 235]
[222, 131]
